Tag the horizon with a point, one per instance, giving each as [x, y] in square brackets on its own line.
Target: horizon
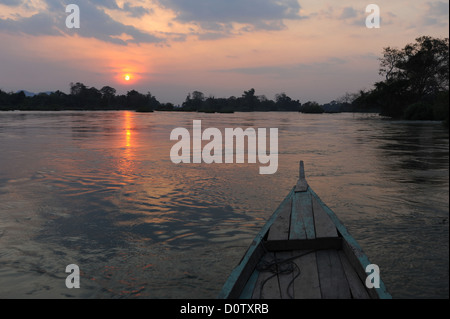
[310, 50]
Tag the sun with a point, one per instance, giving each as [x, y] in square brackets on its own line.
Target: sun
[127, 77]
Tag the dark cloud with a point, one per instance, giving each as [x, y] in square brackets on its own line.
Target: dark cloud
[357, 17]
[12, 3]
[348, 12]
[135, 11]
[439, 8]
[213, 19]
[437, 13]
[215, 14]
[95, 23]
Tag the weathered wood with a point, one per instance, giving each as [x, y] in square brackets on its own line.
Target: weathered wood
[280, 228]
[286, 272]
[306, 285]
[333, 283]
[357, 287]
[353, 251]
[308, 216]
[333, 268]
[247, 292]
[301, 174]
[356, 258]
[304, 244]
[302, 219]
[239, 276]
[323, 224]
[302, 185]
[297, 229]
[267, 286]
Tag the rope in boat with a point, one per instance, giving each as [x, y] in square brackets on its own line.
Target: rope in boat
[279, 266]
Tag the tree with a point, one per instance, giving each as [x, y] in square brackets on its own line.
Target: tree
[153, 103]
[18, 98]
[77, 88]
[83, 97]
[136, 100]
[5, 100]
[389, 63]
[285, 103]
[92, 97]
[198, 96]
[414, 76]
[427, 65]
[108, 94]
[249, 100]
[348, 98]
[424, 64]
[311, 107]
[194, 102]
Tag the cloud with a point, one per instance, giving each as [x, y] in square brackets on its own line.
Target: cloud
[38, 24]
[436, 13]
[220, 15]
[353, 16]
[12, 3]
[128, 7]
[439, 8]
[206, 19]
[95, 22]
[135, 11]
[348, 12]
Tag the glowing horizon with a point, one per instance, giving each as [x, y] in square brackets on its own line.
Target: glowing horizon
[311, 50]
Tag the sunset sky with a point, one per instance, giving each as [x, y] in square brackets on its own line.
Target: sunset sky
[310, 49]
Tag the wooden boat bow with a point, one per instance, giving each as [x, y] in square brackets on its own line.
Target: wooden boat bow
[306, 237]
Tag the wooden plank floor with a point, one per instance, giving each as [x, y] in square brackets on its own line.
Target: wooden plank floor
[302, 252]
[302, 217]
[322, 274]
[318, 272]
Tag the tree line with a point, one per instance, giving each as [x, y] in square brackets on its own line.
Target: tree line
[248, 102]
[416, 82]
[415, 87]
[81, 97]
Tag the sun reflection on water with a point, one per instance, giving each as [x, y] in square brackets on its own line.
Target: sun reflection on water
[128, 124]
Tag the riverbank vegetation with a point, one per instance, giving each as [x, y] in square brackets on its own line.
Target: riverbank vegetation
[415, 87]
[416, 82]
[82, 97]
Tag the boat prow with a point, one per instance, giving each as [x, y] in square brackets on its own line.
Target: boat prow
[303, 252]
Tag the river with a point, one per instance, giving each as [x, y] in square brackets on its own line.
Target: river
[99, 190]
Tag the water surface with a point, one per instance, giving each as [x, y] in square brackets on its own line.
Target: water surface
[98, 189]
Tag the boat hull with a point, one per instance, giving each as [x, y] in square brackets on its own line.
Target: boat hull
[303, 252]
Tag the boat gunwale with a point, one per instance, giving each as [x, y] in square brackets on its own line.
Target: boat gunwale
[227, 290]
[350, 246]
[353, 249]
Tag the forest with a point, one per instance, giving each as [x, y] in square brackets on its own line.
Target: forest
[415, 87]
[416, 82]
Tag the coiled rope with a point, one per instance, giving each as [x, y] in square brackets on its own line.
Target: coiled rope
[278, 266]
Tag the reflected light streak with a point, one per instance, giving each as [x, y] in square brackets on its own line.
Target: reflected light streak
[128, 123]
[127, 158]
